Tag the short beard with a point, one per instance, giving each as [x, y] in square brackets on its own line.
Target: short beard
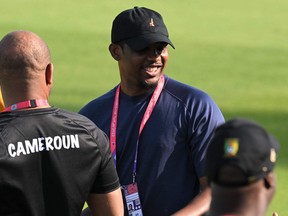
[149, 86]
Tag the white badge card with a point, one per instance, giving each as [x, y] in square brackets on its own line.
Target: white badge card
[132, 199]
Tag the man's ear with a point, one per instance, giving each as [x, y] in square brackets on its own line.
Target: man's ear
[49, 74]
[115, 51]
[270, 180]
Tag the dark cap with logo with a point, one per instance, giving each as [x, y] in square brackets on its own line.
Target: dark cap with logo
[138, 28]
[244, 145]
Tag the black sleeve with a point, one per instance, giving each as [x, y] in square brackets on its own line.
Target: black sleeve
[107, 179]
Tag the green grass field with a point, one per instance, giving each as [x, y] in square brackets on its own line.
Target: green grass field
[234, 50]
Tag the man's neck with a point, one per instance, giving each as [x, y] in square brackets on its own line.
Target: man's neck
[237, 203]
[135, 91]
[28, 104]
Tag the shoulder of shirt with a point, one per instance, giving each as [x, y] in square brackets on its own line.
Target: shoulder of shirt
[108, 96]
[74, 116]
[184, 91]
[58, 113]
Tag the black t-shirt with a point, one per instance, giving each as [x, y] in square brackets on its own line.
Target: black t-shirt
[50, 160]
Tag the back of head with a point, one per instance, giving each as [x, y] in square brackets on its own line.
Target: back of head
[242, 144]
[240, 154]
[24, 61]
[22, 52]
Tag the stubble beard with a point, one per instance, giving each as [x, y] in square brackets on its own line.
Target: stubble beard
[149, 86]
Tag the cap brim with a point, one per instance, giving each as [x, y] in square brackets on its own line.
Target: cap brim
[143, 41]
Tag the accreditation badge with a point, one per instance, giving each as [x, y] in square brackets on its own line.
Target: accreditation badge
[132, 199]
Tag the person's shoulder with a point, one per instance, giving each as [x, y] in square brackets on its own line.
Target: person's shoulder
[5, 119]
[81, 121]
[77, 119]
[193, 99]
[184, 91]
[106, 96]
[98, 103]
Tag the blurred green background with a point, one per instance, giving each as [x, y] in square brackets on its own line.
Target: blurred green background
[236, 51]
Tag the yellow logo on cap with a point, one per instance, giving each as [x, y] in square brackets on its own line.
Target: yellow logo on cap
[231, 147]
[151, 23]
[273, 155]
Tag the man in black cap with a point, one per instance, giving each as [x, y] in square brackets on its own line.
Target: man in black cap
[239, 166]
[159, 128]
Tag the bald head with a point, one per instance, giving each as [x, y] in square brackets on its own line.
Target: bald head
[25, 66]
[22, 51]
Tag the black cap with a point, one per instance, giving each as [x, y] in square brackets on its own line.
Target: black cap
[139, 27]
[242, 144]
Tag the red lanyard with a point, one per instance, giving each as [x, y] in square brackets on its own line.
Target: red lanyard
[27, 104]
[147, 114]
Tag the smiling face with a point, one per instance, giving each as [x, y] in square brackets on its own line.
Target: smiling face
[140, 71]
